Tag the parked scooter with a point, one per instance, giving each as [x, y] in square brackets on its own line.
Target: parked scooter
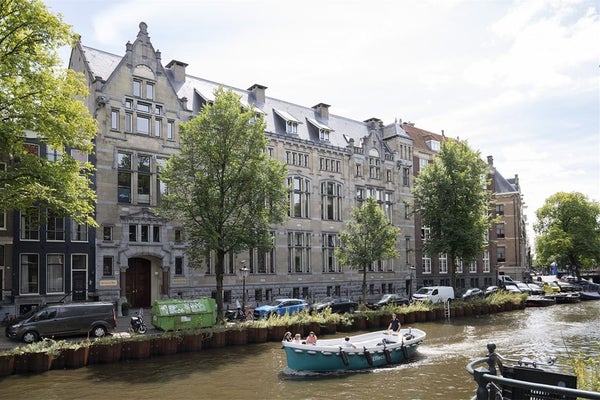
[235, 315]
[137, 322]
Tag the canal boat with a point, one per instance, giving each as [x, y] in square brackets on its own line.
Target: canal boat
[567, 297]
[536, 300]
[360, 352]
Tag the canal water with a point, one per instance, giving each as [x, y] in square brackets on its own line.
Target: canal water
[259, 371]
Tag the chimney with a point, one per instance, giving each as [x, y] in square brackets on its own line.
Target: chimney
[178, 70]
[322, 111]
[374, 123]
[258, 92]
[490, 160]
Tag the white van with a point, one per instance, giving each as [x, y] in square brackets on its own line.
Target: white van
[435, 294]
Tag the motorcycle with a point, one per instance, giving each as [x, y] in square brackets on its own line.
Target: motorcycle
[137, 323]
[237, 315]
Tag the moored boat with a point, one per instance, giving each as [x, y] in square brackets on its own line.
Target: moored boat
[539, 301]
[370, 350]
[568, 297]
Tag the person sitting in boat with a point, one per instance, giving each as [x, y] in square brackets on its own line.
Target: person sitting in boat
[311, 338]
[297, 338]
[347, 343]
[287, 337]
[394, 325]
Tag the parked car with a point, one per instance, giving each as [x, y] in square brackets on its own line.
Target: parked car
[391, 299]
[491, 289]
[472, 294]
[58, 320]
[337, 304]
[280, 307]
[434, 294]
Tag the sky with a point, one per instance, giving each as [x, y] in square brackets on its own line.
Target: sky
[518, 80]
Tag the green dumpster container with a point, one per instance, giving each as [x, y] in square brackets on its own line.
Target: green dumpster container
[171, 315]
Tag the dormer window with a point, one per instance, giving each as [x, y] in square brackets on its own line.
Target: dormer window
[433, 145]
[291, 127]
[323, 134]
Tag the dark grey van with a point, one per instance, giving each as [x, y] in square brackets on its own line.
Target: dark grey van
[54, 320]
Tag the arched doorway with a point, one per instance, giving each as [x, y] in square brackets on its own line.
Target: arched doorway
[137, 282]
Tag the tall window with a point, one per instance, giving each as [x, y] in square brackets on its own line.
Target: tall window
[299, 197]
[107, 233]
[265, 259]
[486, 261]
[124, 177]
[143, 178]
[107, 266]
[30, 229]
[299, 252]
[331, 201]
[500, 230]
[29, 274]
[388, 205]
[55, 228]
[459, 266]
[55, 273]
[178, 265]
[2, 213]
[405, 176]
[443, 264]
[499, 209]
[170, 130]
[330, 263]
[473, 267]
[501, 254]
[79, 232]
[374, 168]
[426, 264]
[114, 120]
[408, 249]
[323, 134]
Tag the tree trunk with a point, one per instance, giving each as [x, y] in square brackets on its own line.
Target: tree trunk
[364, 285]
[219, 269]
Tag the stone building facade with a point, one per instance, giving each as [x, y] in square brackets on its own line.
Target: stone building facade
[334, 163]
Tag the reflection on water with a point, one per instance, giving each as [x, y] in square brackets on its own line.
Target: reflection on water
[259, 371]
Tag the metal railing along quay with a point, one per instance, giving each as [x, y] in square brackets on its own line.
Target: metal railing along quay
[522, 380]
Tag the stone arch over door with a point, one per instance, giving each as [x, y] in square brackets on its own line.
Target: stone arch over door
[138, 282]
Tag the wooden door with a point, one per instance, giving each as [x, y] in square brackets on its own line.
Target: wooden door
[137, 287]
[79, 285]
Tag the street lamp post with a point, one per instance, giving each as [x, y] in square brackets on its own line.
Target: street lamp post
[412, 271]
[244, 271]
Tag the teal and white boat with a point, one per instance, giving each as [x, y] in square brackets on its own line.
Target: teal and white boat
[370, 350]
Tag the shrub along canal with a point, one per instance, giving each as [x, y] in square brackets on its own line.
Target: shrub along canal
[258, 371]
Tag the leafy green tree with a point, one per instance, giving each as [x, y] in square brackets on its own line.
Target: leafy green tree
[368, 237]
[453, 202]
[569, 231]
[223, 185]
[41, 100]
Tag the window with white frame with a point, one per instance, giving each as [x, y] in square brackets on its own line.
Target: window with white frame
[486, 261]
[55, 228]
[323, 134]
[426, 264]
[299, 252]
[296, 158]
[52, 154]
[114, 120]
[299, 197]
[443, 264]
[330, 263]
[459, 266]
[329, 164]
[55, 273]
[170, 130]
[423, 163]
[29, 273]
[331, 201]
[425, 234]
[30, 227]
[79, 232]
[388, 204]
[473, 267]
[291, 126]
[374, 168]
